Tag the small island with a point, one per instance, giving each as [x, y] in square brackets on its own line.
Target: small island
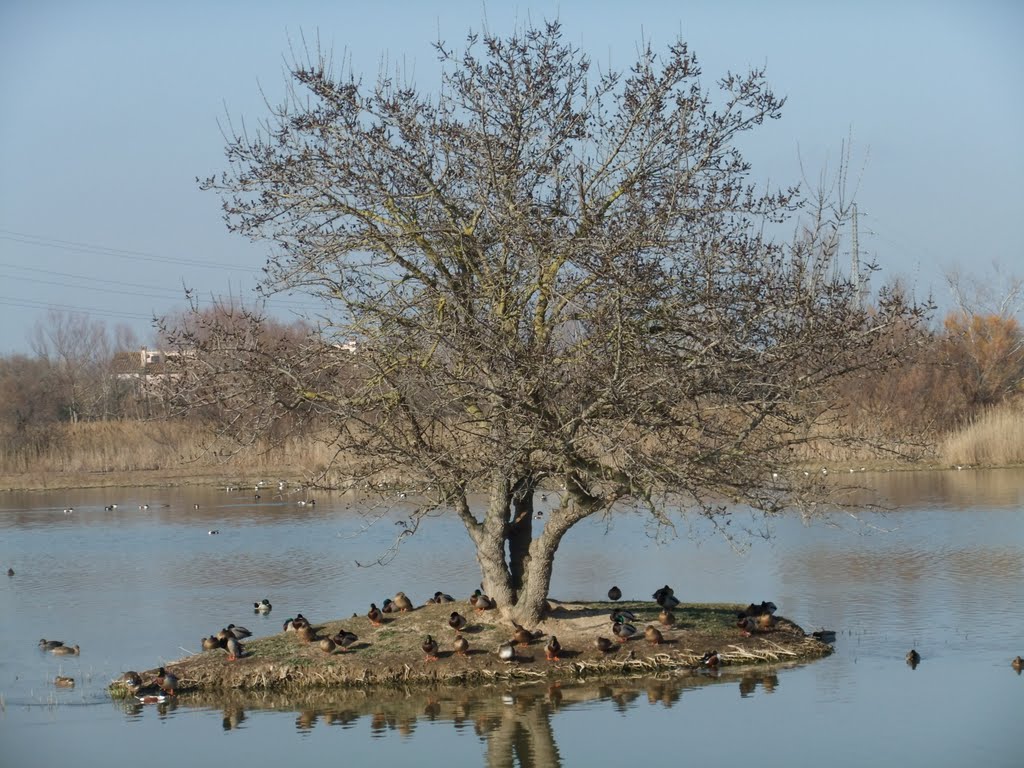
[392, 653]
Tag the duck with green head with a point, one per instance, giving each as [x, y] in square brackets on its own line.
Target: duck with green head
[168, 681]
[429, 647]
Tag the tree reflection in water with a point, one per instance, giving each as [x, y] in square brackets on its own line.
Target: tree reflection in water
[516, 722]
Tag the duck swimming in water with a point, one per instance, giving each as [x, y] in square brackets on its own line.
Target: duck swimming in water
[913, 658]
[49, 645]
[263, 606]
[63, 650]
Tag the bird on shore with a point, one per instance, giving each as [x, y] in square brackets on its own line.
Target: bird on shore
[507, 651]
[210, 643]
[441, 597]
[131, 680]
[233, 646]
[481, 602]
[374, 615]
[523, 636]
[49, 645]
[388, 606]
[306, 633]
[666, 617]
[913, 658]
[63, 650]
[614, 594]
[297, 623]
[239, 632]
[429, 647]
[402, 603]
[457, 621]
[622, 615]
[461, 645]
[327, 645]
[765, 608]
[343, 639]
[263, 606]
[552, 649]
[604, 645]
[167, 681]
[653, 635]
[623, 631]
[665, 597]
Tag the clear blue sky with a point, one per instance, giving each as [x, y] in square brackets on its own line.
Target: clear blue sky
[110, 110]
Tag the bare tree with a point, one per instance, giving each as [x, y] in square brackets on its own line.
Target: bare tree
[542, 277]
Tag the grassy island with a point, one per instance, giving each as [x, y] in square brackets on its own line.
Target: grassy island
[391, 654]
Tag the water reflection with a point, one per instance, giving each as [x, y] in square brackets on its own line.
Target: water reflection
[516, 724]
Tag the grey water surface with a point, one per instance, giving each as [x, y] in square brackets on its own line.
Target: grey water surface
[136, 587]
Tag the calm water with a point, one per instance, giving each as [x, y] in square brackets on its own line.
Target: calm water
[139, 587]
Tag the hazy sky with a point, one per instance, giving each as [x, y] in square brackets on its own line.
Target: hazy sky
[109, 110]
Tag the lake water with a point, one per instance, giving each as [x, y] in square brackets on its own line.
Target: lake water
[138, 587]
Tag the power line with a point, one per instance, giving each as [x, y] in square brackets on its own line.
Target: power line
[29, 304]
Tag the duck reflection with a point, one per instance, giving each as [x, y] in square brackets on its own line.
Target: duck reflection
[516, 723]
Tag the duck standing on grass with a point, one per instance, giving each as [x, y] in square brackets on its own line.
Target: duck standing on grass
[666, 617]
[327, 645]
[507, 651]
[622, 630]
[653, 635]
[402, 603]
[210, 643]
[461, 645]
[233, 646]
[604, 645]
[457, 621]
[374, 615]
[429, 647]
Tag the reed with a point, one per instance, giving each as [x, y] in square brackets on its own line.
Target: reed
[994, 438]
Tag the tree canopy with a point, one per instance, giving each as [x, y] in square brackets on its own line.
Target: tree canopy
[542, 275]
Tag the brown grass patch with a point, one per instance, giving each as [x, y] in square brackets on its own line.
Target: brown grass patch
[390, 655]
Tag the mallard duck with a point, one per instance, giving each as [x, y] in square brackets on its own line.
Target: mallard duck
[653, 635]
[457, 621]
[507, 651]
[523, 636]
[824, 635]
[614, 593]
[461, 645]
[63, 650]
[622, 616]
[388, 606]
[306, 633]
[441, 597]
[49, 645]
[402, 603]
[167, 681]
[263, 606]
[429, 647]
[552, 649]
[481, 602]
[623, 631]
[710, 659]
[765, 608]
[374, 615]
[10, 571]
[210, 643]
[343, 639]
[748, 625]
[61, 681]
[666, 617]
[1017, 663]
[913, 658]
[327, 645]
[665, 597]
[604, 645]
[239, 632]
[233, 646]
[297, 623]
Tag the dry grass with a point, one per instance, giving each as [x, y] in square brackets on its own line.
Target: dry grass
[390, 655]
[995, 438]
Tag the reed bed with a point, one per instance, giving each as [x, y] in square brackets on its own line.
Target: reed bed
[994, 438]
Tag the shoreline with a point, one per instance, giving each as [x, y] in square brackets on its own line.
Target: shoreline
[390, 655]
[28, 482]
